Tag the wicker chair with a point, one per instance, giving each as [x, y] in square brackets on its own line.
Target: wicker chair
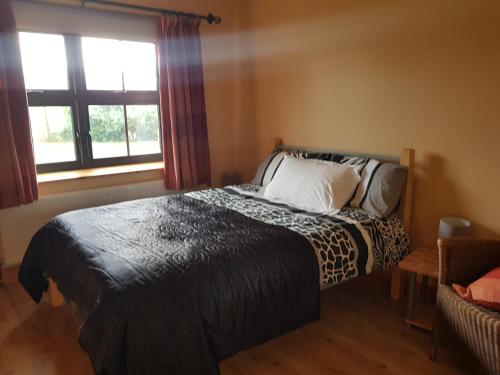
[463, 261]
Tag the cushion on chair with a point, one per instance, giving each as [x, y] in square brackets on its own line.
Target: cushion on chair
[485, 291]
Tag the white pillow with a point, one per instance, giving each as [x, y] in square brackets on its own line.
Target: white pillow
[312, 185]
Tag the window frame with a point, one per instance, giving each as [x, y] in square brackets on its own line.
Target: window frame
[78, 98]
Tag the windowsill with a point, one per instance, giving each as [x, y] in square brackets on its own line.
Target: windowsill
[94, 178]
[96, 172]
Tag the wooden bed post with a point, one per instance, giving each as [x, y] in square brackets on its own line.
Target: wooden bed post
[55, 296]
[408, 160]
[278, 142]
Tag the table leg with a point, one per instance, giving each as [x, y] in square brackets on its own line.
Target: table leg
[411, 295]
[425, 288]
[397, 283]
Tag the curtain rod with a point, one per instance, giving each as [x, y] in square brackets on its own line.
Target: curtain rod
[210, 18]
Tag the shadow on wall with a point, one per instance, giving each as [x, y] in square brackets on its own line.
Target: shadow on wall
[484, 232]
[434, 194]
[245, 132]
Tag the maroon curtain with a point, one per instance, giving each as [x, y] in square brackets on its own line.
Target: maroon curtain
[17, 164]
[182, 102]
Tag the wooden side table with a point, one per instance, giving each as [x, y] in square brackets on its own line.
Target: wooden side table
[421, 261]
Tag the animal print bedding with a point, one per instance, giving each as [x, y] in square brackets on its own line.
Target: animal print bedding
[348, 244]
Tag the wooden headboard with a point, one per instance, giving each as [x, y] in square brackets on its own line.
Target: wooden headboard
[407, 159]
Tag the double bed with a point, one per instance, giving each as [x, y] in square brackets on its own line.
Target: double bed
[177, 283]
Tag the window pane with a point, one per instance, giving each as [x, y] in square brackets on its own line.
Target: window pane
[143, 129]
[44, 61]
[52, 131]
[107, 126]
[102, 64]
[139, 65]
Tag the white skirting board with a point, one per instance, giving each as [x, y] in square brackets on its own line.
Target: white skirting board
[19, 224]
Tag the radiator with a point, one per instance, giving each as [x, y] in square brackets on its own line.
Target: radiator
[19, 224]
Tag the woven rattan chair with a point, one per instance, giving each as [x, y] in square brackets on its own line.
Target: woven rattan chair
[463, 261]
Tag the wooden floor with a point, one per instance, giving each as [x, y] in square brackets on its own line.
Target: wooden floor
[361, 332]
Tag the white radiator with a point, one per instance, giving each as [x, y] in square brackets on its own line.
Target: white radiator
[19, 224]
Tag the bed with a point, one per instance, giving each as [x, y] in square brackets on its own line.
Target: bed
[175, 284]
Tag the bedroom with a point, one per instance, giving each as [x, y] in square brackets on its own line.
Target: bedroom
[354, 77]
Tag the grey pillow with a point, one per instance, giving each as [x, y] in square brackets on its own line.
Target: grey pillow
[384, 189]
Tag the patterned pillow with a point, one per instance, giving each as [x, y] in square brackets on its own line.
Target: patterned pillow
[267, 169]
[337, 158]
[380, 187]
[485, 291]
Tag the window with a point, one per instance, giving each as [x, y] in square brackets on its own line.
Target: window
[53, 135]
[118, 65]
[92, 101]
[44, 61]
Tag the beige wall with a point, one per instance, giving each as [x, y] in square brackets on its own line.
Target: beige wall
[377, 76]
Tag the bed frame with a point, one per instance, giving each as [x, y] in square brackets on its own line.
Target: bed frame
[407, 159]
